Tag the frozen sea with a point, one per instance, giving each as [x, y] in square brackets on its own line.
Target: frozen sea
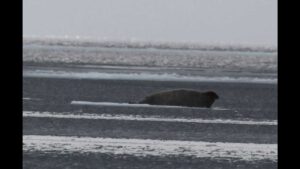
[76, 112]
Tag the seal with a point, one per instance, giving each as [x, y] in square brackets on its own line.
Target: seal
[182, 97]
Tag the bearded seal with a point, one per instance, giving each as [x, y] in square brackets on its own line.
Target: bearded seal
[181, 97]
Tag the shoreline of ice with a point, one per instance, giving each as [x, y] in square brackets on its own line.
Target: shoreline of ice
[142, 76]
[131, 43]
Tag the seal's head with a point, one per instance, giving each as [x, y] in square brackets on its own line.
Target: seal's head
[212, 94]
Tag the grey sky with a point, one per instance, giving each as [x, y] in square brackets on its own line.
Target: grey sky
[205, 21]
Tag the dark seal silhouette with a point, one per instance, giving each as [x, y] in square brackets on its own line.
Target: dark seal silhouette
[182, 97]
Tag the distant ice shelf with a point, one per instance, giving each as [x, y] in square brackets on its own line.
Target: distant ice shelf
[143, 76]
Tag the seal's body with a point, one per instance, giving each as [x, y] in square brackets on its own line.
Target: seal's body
[182, 97]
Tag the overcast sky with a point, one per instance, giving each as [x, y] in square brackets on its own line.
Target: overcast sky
[205, 21]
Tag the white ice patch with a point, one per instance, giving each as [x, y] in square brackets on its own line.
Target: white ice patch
[143, 118]
[30, 99]
[88, 103]
[144, 147]
[143, 76]
[27, 98]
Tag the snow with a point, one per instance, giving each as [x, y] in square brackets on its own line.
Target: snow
[150, 54]
[144, 147]
[143, 118]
